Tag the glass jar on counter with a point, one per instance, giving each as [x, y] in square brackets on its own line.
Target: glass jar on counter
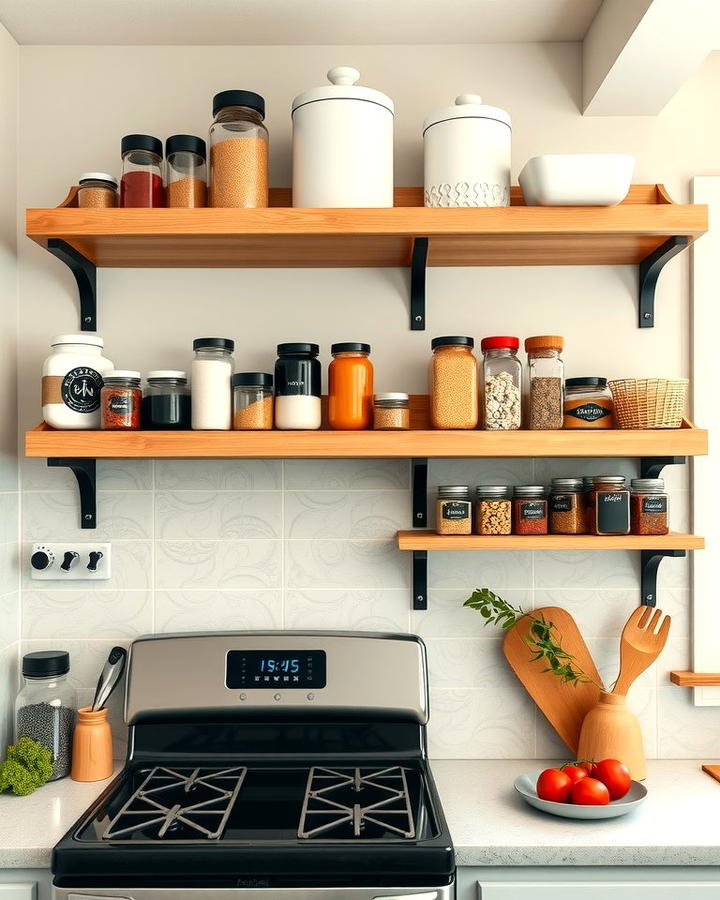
[608, 506]
[453, 383]
[141, 184]
[45, 706]
[350, 387]
[238, 151]
[588, 403]
[97, 190]
[648, 506]
[166, 404]
[501, 384]
[252, 401]
[545, 370]
[530, 509]
[298, 379]
[186, 171]
[453, 510]
[391, 412]
[212, 370]
[566, 506]
[493, 509]
[120, 400]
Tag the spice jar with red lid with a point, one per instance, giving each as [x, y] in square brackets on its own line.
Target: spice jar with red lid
[529, 512]
[141, 184]
[120, 400]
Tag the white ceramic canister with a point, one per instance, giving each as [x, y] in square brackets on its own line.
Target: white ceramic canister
[72, 378]
[342, 144]
[467, 154]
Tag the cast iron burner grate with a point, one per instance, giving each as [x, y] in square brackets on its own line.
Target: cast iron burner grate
[344, 804]
[180, 804]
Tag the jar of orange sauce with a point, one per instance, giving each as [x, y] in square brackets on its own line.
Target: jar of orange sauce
[350, 387]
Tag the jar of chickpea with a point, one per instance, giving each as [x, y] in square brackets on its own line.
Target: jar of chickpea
[493, 509]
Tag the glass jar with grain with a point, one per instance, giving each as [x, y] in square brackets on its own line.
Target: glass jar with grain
[453, 383]
[502, 383]
[608, 506]
[391, 412]
[97, 190]
[530, 509]
[545, 369]
[566, 506]
[186, 171]
[493, 509]
[121, 400]
[238, 151]
[648, 506]
[350, 387]
[453, 510]
[252, 401]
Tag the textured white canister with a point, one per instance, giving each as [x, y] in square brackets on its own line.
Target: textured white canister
[72, 378]
[467, 154]
[342, 144]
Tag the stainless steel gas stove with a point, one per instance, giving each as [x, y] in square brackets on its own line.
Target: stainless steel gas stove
[281, 764]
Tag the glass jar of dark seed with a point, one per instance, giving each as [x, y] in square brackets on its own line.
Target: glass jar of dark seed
[46, 704]
[566, 506]
[453, 511]
[648, 506]
[166, 404]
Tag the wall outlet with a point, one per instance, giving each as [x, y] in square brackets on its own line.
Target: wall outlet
[70, 561]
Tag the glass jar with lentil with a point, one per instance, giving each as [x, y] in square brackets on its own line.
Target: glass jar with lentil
[453, 383]
[493, 509]
[648, 506]
[453, 511]
[391, 412]
[546, 382]
[566, 506]
[530, 513]
[608, 506]
[120, 400]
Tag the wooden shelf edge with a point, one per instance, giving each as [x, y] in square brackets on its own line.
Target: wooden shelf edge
[695, 679]
[429, 540]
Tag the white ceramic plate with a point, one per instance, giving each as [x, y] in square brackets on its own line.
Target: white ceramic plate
[525, 786]
[577, 179]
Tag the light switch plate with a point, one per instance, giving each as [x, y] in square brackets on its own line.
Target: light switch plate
[55, 553]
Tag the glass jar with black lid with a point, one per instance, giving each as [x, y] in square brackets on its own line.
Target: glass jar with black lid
[166, 405]
[252, 401]
[186, 171]
[141, 184]
[298, 387]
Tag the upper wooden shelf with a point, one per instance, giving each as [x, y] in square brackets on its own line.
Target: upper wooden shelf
[429, 540]
[281, 236]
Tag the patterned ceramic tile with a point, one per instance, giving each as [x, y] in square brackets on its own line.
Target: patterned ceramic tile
[478, 471]
[686, 731]
[498, 570]
[112, 475]
[122, 515]
[9, 619]
[347, 474]
[336, 564]
[477, 663]
[348, 610]
[86, 614]
[9, 510]
[446, 617]
[9, 683]
[598, 613]
[218, 564]
[200, 610]
[353, 515]
[218, 475]
[9, 568]
[218, 515]
[606, 569]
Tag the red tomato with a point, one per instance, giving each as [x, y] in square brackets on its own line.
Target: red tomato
[615, 776]
[575, 772]
[588, 766]
[553, 784]
[589, 792]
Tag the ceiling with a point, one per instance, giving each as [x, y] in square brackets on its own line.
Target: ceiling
[308, 22]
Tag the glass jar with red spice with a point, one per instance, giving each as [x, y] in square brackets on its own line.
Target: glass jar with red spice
[608, 506]
[120, 400]
[141, 184]
[648, 506]
[529, 509]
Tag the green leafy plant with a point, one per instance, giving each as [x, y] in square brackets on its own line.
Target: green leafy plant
[27, 766]
[541, 637]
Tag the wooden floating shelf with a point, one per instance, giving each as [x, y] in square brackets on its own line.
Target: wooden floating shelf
[429, 540]
[696, 679]
[281, 236]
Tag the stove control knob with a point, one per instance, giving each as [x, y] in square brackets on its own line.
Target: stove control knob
[311, 696]
[243, 696]
[276, 696]
[42, 558]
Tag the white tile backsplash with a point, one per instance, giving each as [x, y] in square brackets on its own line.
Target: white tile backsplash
[218, 515]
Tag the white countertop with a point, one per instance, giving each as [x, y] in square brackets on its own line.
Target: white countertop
[489, 823]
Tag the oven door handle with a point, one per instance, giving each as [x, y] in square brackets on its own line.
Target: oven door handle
[429, 895]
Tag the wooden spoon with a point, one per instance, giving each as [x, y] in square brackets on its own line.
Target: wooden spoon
[640, 645]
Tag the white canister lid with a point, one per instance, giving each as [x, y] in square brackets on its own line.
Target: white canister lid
[467, 106]
[343, 87]
[123, 373]
[98, 176]
[167, 373]
[92, 340]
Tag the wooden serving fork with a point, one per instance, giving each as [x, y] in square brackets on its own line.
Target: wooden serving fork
[641, 643]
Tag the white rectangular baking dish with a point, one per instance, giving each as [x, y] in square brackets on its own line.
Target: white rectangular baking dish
[577, 179]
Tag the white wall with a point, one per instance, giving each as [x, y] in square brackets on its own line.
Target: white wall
[266, 544]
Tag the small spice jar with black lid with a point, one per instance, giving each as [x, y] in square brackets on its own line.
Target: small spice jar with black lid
[141, 184]
[97, 190]
[530, 509]
[121, 400]
[608, 506]
[166, 405]
[566, 506]
[186, 171]
[453, 511]
[493, 509]
[252, 401]
[648, 506]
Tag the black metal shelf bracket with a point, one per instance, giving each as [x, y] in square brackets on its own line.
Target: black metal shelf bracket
[85, 274]
[419, 493]
[85, 474]
[649, 563]
[420, 579]
[650, 269]
[418, 272]
[652, 466]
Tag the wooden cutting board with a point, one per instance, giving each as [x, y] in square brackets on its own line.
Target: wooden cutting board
[563, 705]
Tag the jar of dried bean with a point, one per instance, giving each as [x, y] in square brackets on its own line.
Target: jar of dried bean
[186, 171]
[608, 506]
[238, 150]
[530, 513]
[648, 506]
[566, 506]
[252, 401]
[97, 191]
[453, 383]
[120, 400]
[493, 509]
[391, 412]
[453, 511]
[502, 384]
[546, 381]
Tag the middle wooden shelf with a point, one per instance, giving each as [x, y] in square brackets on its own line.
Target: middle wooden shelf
[429, 540]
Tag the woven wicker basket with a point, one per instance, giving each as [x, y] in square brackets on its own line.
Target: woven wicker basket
[649, 402]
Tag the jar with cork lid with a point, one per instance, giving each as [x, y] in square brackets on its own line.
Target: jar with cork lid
[453, 383]
[545, 368]
[238, 151]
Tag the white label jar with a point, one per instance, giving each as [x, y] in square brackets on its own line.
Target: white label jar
[212, 371]
[467, 155]
[72, 378]
[342, 144]
[298, 376]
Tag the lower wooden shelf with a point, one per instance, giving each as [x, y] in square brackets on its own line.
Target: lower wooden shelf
[429, 540]
[696, 679]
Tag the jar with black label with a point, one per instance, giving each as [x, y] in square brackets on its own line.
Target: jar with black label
[298, 376]
[608, 506]
[566, 506]
[72, 378]
[493, 509]
[453, 511]
[648, 506]
[530, 509]
[120, 401]
[588, 404]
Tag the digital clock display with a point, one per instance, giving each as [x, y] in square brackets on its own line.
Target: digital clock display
[275, 669]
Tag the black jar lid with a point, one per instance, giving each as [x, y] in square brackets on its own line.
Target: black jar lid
[586, 382]
[350, 347]
[298, 349]
[141, 142]
[214, 344]
[239, 98]
[188, 143]
[46, 663]
[252, 379]
[452, 340]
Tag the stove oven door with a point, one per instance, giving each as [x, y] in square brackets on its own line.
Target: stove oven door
[446, 892]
